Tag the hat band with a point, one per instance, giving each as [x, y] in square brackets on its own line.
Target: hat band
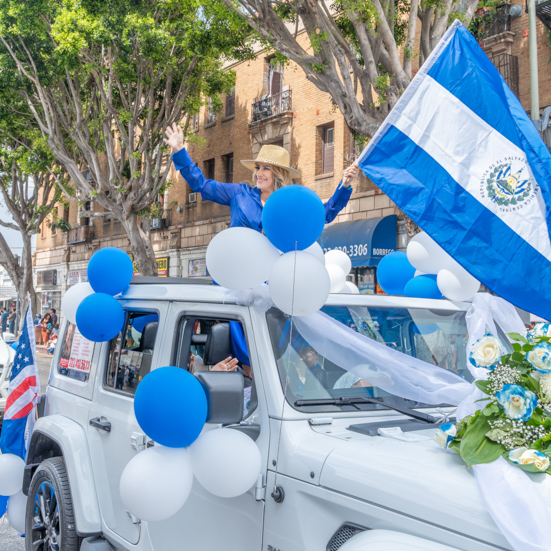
[271, 162]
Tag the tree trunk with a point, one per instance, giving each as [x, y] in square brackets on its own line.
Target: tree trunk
[144, 256]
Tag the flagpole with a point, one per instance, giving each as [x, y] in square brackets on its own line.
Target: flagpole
[533, 48]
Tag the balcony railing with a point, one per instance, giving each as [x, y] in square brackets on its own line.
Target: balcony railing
[80, 234]
[491, 22]
[162, 221]
[271, 105]
[543, 13]
[507, 65]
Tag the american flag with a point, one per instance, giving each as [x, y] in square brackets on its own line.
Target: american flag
[22, 392]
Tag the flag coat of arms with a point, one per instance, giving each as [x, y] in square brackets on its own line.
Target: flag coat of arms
[23, 391]
[461, 158]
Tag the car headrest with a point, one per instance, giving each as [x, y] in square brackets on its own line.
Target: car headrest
[218, 345]
[148, 335]
[199, 338]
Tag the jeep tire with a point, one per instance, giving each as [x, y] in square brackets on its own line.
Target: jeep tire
[50, 519]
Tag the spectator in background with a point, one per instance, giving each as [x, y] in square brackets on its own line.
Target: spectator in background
[53, 316]
[37, 320]
[46, 328]
[3, 320]
[11, 321]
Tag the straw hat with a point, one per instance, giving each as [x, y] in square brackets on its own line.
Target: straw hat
[276, 156]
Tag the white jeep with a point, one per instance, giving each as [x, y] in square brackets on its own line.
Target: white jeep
[345, 465]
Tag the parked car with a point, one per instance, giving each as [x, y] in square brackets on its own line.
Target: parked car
[339, 471]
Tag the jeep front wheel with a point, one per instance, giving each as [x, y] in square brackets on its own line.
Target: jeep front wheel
[50, 520]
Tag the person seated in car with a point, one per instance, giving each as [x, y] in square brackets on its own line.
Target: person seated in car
[310, 359]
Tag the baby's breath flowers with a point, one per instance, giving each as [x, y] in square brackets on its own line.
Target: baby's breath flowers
[514, 420]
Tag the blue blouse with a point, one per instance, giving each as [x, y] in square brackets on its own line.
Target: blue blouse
[244, 200]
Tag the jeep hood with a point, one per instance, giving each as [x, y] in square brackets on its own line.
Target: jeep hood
[417, 479]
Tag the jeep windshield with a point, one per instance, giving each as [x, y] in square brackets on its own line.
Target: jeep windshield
[313, 383]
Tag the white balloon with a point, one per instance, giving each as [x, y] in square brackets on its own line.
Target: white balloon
[240, 258]
[457, 285]
[337, 277]
[72, 298]
[12, 468]
[418, 273]
[316, 251]
[340, 259]
[299, 284]
[350, 289]
[16, 509]
[426, 255]
[226, 462]
[156, 483]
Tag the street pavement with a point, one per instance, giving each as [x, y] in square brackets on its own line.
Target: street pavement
[9, 540]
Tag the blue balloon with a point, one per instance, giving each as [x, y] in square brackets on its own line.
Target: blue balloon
[110, 271]
[293, 218]
[3, 505]
[139, 323]
[423, 287]
[171, 406]
[393, 273]
[100, 317]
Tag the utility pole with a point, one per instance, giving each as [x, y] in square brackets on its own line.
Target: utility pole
[533, 42]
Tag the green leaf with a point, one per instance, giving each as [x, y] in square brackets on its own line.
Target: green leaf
[517, 357]
[475, 447]
[495, 434]
[532, 384]
[517, 337]
[483, 385]
[517, 347]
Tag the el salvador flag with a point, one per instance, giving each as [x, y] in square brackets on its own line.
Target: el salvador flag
[461, 158]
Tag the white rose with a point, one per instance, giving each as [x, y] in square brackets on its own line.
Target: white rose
[533, 457]
[486, 352]
[540, 358]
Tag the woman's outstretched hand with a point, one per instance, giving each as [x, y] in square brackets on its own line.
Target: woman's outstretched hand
[174, 137]
[350, 174]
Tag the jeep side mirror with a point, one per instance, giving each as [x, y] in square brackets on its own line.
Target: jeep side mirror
[225, 398]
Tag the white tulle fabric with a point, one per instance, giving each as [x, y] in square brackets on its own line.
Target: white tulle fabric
[512, 497]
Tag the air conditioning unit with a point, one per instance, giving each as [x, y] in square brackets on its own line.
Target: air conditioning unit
[192, 198]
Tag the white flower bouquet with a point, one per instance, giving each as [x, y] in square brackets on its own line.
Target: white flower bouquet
[516, 421]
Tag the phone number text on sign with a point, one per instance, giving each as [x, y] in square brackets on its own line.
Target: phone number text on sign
[353, 250]
[80, 365]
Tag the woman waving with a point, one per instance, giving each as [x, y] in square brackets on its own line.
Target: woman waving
[271, 170]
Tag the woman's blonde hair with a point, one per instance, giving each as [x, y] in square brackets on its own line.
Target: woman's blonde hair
[281, 177]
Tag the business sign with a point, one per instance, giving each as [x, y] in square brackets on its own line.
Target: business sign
[46, 277]
[80, 357]
[197, 268]
[162, 266]
[76, 276]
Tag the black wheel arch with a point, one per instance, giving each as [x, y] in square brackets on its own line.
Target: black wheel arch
[41, 447]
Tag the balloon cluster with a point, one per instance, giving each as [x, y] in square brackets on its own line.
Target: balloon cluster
[287, 256]
[12, 498]
[110, 271]
[425, 271]
[171, 408]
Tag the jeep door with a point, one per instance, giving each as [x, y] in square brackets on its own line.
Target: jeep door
[208, 522]
[113, 432]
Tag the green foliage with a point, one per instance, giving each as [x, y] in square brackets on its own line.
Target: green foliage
[491, 433]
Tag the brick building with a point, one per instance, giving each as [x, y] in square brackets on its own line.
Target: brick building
[271, 105]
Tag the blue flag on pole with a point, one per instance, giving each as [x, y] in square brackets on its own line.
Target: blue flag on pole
[461, 158]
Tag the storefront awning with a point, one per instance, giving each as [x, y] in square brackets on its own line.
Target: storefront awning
[364, 241]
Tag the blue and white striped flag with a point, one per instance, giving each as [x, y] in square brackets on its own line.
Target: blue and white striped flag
[461, 158]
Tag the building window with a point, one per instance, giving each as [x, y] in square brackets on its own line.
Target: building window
[211, 113]
[209, 169]
[327, 148]
[53, 226]
[273, 76]
[230, 103]
[195, 123]
[86, 220]
[228, 168]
